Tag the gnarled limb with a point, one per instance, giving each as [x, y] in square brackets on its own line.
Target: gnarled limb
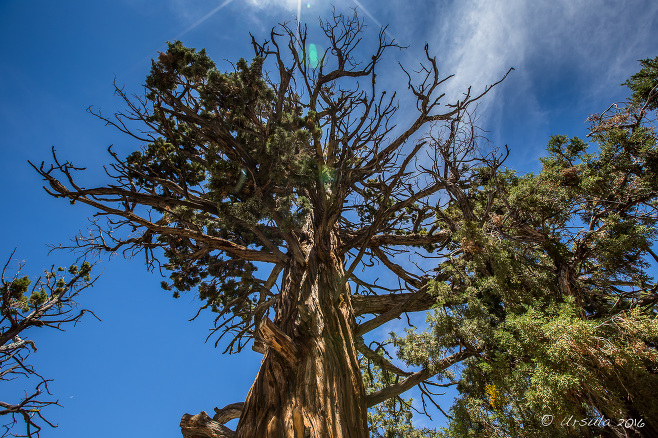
[228, 412]
[409, 239]
[378, 304]
[416, 378]
[202, 426]
[118, 202]
[394, 312]
[381, 361]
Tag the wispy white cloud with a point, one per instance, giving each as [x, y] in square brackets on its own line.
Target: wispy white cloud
[290, 5]
[590, 46]
[484, 38]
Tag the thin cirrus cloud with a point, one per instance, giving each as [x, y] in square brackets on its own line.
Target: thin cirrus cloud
[291, 5]
[599, 39]
[479, 40]
[596, 42]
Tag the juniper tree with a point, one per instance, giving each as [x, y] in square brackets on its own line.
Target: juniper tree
[275, 190]
[549, 277]
[46, 302]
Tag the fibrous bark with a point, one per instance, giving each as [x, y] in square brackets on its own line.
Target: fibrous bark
[309, 384]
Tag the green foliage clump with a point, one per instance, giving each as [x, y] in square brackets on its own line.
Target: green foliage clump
[257, 166]
[644, 84]
[17, 297]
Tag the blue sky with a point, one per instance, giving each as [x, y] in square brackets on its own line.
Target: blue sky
[136, 372]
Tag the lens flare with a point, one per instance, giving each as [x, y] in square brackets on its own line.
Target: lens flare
[313, 55]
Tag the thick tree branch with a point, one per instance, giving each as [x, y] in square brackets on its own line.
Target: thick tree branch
[416, 378]
[381, 361]
[408, 239]
[228, 412]
[378, 304]
[392, 313]
[213, 242]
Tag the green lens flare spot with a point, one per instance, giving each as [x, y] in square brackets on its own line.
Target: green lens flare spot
[313, 59]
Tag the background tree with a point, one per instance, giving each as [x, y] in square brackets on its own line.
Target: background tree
[296, 172]
[25, 305]
[549, 277]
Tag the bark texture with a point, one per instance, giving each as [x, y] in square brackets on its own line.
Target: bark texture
[202, 426]
[309, 384]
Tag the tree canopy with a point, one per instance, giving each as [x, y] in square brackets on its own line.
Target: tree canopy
[551, 280]
[556, 286]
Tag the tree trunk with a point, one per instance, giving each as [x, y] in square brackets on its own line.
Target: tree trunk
[309, 384]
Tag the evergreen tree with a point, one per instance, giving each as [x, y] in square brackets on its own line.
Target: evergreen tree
[549, 278]
[271, 190]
